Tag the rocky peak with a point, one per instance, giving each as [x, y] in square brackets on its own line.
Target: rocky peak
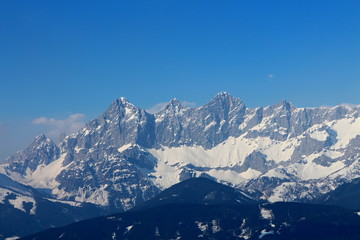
[120, 104]
[41, 151]
[173, 107]
[223, 95]
[174, 103]
[338, 112]
[225, 99]
[121, 109]
[40, 138]
[285, 105]
[279, 109]
[223, 102]
[122, 123]
[41, 142]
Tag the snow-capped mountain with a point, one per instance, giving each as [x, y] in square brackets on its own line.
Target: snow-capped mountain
[127, 155]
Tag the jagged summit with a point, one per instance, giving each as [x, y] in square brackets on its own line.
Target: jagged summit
[286, 105]
[41, 141]
[123, 99]
[222, 98]
[174, 105]
[224, 104]
[223, 95]
[174, 101]
[41, 151]
[40, 138]
[122, 102]
[226, 99]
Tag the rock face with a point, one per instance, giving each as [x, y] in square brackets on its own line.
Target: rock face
[127, 155]
[42, 151]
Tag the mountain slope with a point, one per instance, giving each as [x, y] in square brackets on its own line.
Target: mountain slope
[24, 210]
[271, 221]
[346, 195]
[197, 191]
[203, 209]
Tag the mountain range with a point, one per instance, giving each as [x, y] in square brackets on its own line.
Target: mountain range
[127, 155]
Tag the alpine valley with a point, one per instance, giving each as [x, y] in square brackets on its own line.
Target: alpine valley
[126, 156]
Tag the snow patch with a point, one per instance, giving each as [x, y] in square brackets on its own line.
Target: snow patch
[346, 130]
[12, 238]
[84, 194]
[315, 171]
[166, 175]
[250, 174]
[44, 175]
[264, 233]
[229, 153]
[215, 226]
[19, 201]
[123, 148]
[227, 175]
[202, 226]
[71, 203]
[266, 214]
[213, 123]
[318, 132]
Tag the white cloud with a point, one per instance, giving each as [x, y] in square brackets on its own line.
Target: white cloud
[189, 104]
[271, 76]
[58, 127]
[157, 107]
[160, 106]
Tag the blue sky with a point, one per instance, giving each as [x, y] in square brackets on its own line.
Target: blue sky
[63, 62]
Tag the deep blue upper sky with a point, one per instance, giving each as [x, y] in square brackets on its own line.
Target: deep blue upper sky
[63, 57]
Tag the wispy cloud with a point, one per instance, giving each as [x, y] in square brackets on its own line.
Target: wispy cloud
[271, 76]
[160, 106]
[189, 104]
[157, 107]
[57, 127]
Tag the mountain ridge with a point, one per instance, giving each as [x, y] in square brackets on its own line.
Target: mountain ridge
[199, 190]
